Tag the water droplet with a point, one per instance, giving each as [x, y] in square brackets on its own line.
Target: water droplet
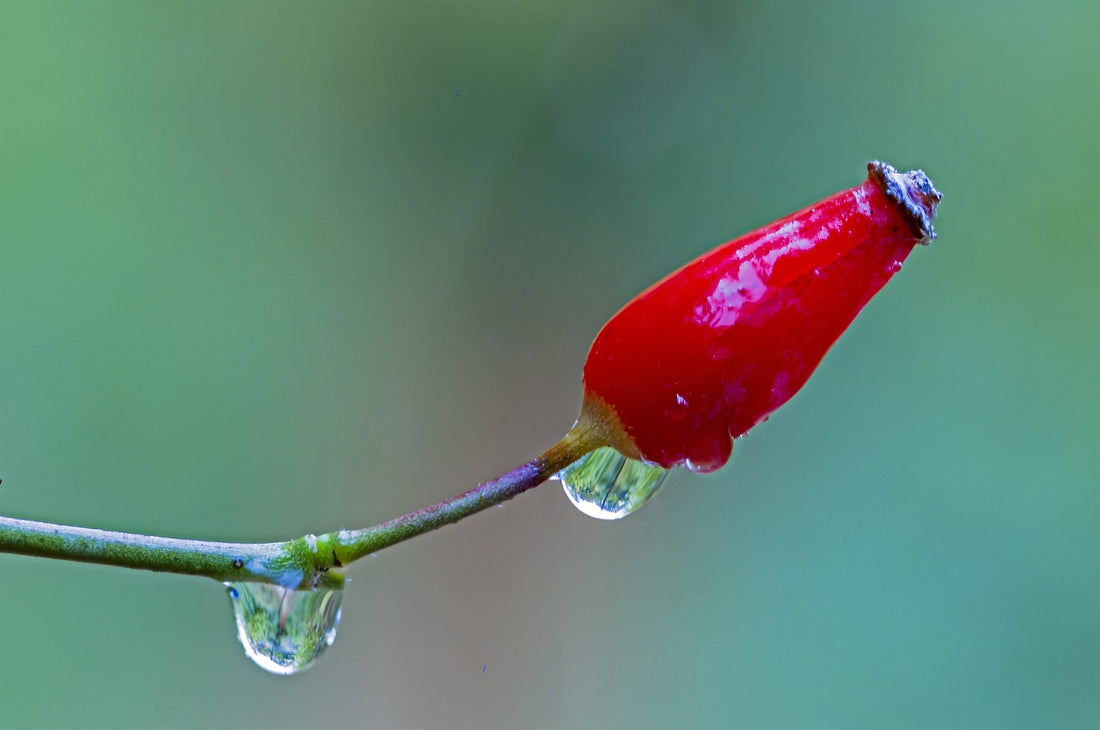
[284, 630]
[703, 467]
[608, 486]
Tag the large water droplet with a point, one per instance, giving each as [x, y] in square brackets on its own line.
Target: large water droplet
[284, 630]
[608, 486]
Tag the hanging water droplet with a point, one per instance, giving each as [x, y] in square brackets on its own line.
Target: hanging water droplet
[284, 630]
[608, 486]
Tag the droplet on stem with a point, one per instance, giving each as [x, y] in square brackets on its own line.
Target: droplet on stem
[284, 630]
[608, 486]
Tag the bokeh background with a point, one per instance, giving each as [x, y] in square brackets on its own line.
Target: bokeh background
[269, 268]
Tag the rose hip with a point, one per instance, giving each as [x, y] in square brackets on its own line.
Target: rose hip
[702, 356]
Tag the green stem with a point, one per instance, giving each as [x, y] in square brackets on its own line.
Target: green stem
[307, 562]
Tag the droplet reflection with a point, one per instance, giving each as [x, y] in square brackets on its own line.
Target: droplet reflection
[608, 486]
[284, 630]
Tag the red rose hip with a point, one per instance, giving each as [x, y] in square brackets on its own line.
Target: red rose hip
[711, 350]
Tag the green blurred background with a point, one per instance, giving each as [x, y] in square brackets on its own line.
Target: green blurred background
[269, 268]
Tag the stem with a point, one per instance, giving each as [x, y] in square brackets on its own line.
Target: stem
[307, 562]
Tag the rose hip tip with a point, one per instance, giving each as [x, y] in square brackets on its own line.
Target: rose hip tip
[913, 191]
